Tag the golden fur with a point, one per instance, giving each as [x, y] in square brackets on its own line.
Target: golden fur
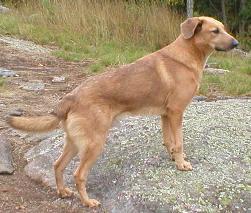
[34, 124]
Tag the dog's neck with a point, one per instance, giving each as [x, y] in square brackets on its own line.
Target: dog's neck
[189, 52]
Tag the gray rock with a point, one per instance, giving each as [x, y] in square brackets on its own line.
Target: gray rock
[215, 71]
[6, 166]
[58, 79]
[2, 106]
[25, 46]
[16, 112]
[135, 174]
[199, 98]
[212, 65]
[7, 73]
[35, 85]
[4, 9]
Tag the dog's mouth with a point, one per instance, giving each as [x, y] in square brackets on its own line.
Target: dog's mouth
[224, 50]
[220, 49]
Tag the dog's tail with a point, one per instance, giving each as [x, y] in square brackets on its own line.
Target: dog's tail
[43, 123]
[34, 124]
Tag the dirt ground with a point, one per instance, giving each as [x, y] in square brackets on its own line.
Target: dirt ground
[18, 193]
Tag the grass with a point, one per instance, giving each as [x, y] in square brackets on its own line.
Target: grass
[232, 61]
[105, 55]
[114, 32]
[2, 82]
[235, 82]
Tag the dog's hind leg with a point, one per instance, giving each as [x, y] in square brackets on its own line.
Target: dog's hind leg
[69, 151]
[88, 130]
[87, 158]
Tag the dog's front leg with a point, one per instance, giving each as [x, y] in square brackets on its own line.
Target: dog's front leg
[168, 136]
[176, 147]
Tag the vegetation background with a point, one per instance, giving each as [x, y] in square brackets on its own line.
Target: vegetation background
[112, 32]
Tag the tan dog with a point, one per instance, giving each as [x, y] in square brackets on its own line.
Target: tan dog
[161, 83]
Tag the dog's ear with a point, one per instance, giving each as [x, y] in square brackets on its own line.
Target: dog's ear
[189, 26]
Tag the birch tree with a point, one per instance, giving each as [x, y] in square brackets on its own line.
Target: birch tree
[189, 8]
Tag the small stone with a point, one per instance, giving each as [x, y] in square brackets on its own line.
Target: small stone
[58, 79]
[7, 73]
[20, 207]
[212, 65]
[35, 85]
[199, 98]
[4, 9]
[2, 106]
[6, 166]
[215, 71]
[16, 112]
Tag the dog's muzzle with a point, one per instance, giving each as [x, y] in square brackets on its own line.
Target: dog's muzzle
[233, 44]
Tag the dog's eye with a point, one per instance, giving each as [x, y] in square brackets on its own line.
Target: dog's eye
[216, 31]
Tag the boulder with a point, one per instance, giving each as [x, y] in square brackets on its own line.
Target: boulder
[6, 166]
[135, 173]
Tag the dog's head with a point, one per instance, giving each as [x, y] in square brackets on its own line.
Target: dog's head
[208, 31]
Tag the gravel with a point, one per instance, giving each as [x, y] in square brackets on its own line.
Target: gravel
[24, 46]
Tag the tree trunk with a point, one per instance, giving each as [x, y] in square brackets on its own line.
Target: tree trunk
[223, 9]
[189, 8]
[242, 22]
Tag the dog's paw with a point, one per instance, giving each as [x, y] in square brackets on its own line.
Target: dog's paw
[66, 192]
[91, 203]
[184, 166]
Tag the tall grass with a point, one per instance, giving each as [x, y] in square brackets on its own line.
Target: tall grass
[97, 21]
[112, 32]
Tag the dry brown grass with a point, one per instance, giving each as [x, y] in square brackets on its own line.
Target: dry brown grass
[152, 24]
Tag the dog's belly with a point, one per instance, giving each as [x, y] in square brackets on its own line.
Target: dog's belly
[143, 111]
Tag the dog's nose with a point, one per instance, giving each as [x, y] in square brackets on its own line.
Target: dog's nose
[235, 43]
